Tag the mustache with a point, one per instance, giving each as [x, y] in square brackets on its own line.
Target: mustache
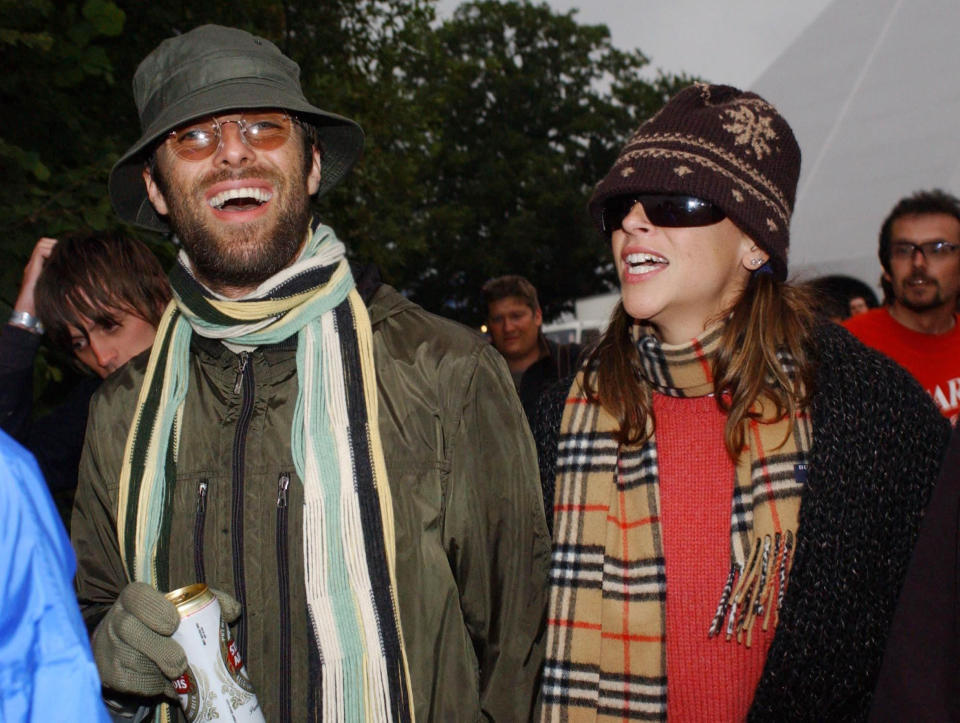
[226, 174]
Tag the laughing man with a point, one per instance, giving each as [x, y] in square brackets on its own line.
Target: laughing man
[351, 474]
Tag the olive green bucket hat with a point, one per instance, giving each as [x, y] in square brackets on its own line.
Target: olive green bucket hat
[213, 69]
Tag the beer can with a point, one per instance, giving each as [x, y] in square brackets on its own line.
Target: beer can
[215, 685]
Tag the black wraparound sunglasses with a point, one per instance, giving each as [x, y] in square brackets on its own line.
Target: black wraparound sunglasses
[663, 209]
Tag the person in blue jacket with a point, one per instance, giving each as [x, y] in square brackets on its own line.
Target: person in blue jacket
[47, 671]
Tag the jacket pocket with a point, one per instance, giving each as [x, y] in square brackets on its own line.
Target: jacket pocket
[198, 528]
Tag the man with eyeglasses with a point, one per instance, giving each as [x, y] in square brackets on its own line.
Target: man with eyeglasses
[350, 474]
[917, 327]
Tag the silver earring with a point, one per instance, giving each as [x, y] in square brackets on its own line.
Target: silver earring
[756, 261]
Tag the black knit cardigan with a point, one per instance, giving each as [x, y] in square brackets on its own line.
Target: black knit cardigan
[878, 441]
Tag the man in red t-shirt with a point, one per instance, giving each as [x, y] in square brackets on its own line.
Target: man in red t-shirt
[917, 328]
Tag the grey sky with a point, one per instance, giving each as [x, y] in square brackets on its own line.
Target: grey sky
[732, 41]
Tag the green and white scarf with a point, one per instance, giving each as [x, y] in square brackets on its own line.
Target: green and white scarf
[348, 531]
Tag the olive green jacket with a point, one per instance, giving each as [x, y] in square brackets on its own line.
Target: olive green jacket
[472, 545]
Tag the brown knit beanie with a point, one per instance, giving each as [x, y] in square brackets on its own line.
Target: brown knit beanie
[723, 145]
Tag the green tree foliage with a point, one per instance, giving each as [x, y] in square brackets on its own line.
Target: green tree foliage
[485, 133]
[527, 109]
[54, 132]
[57, 133]
[67, 113]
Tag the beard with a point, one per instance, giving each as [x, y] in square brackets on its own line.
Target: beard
[243, 256]
[924, 303]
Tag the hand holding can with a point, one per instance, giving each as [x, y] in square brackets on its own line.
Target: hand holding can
[215, 685]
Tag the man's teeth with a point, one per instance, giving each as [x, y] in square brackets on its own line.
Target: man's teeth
[644, 263]
[259, 195]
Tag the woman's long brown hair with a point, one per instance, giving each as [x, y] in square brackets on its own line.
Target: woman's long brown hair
[770, 318]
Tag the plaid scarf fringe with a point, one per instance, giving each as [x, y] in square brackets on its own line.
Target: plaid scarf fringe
[756, 591]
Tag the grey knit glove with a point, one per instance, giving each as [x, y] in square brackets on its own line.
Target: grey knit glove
[132, 644]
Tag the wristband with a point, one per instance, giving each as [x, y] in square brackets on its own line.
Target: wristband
[27, 321]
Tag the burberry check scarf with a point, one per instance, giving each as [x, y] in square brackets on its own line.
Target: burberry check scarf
[605, 639]
[348, 533]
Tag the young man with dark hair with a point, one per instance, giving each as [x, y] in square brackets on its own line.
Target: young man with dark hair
[100, 298]
[514, 320]
[920, 254]
[353, 470]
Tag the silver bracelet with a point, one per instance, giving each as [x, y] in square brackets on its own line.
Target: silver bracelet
[27, 321]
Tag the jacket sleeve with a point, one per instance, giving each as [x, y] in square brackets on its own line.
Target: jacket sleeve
[546, 434]
[55, 439]
[100, 573]
[920, 676]
[498, 543]
[18, 348]
[878, 444]
[46, 666]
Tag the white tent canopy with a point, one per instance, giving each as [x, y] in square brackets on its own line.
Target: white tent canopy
[872, 91]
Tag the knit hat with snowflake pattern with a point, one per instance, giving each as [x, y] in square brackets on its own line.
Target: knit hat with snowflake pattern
[721, 144]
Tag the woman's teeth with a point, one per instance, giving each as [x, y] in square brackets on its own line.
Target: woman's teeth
[641, 263]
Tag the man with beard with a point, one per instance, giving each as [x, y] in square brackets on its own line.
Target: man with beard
[350, 474]
[920, 254]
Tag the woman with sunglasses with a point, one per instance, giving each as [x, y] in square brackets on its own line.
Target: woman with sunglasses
[735, 486]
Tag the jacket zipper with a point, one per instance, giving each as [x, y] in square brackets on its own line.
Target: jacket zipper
[244, 386]
[198, 527]
[283, 575]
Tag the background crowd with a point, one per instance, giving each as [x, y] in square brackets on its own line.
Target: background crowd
[727, 541]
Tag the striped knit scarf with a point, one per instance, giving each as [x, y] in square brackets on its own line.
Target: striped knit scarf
[348, 533]
[606, 647]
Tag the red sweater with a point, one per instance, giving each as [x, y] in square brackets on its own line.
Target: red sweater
[708, 679]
